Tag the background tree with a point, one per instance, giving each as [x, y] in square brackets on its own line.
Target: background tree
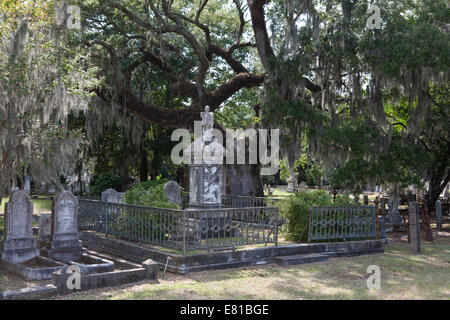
[198, 50]
[375, 88]
[41, 76]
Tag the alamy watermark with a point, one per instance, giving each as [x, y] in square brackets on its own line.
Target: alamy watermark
[74, 16]
[374, 280]
[207, 147]
[374, 21]
[74, 280]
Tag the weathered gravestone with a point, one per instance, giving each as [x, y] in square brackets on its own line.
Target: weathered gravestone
[19, 245]
[27, 184]
[394, 217]
[64, 244]
[302, 185]
[111, 195]
[414, 226]
[44, 229]
[173, 192]
[439, 219]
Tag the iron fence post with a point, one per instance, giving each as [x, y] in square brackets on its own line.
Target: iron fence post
[106, 222]
[276, 227]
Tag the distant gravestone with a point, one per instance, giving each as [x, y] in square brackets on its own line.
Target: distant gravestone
[439, 219]
[111, 195]
[173, 192]
[45, 228]
[393, 214]
[366, 200]
[27, 184]
[19, 245]
[64, 241]
[302, 185]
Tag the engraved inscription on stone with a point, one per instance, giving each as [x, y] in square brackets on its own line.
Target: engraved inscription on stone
[66, 217]
[19, 216]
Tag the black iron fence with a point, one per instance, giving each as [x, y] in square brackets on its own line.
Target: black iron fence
[185, 230]
[342, 223]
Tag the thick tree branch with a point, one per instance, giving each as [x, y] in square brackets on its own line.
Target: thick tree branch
[259, 28]
[226, 55]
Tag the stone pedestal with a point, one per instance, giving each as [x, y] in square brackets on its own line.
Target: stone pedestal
[291, 185]
[205, 180]
[205, 186]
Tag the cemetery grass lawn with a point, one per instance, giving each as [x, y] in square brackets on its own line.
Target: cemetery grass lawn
[403, 276]
[41, 204]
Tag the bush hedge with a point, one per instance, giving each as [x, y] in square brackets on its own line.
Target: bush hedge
[105, 181]
[150, 194]
[296, 211]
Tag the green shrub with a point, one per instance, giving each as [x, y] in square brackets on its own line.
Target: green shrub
[296, 211]
[149, 194]
[152, 194]
[105, 181]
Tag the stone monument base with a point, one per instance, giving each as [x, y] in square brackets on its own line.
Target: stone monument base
[37, 268]
[19, 250]
[64, 251]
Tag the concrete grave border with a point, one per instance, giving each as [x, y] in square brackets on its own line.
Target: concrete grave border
[225, 259]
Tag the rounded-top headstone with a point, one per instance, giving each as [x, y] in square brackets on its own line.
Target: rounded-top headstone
[111, 195]
[173, 192]
[64, 220]
[19, 216]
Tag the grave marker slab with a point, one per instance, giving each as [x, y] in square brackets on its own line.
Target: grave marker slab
[111, 195]
[19, 245]
[173, 192]
[393, 214]
[64, 243]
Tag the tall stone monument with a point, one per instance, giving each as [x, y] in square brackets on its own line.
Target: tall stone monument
[19, 245]
[205, 180]
[64, 244]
